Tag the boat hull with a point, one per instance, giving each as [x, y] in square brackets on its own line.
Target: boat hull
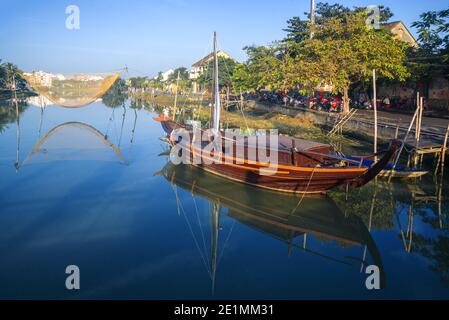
[306, 171]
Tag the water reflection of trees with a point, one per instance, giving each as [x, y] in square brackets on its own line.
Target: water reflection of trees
[359, 202]
[398, 207]
[434, 246]
[8, 113]
[437, 251]
[116, 95]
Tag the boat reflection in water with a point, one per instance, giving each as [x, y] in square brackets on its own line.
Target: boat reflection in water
[284, 217]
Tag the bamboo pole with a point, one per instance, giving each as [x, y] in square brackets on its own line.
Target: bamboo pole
[403, 143]
[396, 133]
[416, 124]
[443, 149]
[176, 98]
[418, 132]
[421, 107]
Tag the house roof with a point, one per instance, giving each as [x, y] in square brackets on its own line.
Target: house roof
[399, 25]
[207, 58]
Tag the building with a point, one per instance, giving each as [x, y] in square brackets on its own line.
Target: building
[165, 75]
[42, 78]
[436, 91]
[200, 66]
[87, 77]
[401, 32]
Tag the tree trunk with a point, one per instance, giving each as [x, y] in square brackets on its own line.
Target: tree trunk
[345, 100]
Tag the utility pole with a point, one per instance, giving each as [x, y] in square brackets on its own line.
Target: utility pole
[312, 17]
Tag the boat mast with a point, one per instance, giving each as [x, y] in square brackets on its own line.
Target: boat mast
[215, 105]
[214, 222]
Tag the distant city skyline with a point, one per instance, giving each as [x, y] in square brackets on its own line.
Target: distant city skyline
[151, 36]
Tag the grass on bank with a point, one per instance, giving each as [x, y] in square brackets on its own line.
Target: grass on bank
[299, 127]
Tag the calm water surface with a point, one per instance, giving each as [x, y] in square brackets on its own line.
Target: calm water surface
[93, 187]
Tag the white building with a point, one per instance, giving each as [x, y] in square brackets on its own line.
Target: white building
[165, 75]
[87, 77]
[42, 78]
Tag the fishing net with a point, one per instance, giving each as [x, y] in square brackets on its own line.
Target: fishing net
[74, 141]
[70, 91]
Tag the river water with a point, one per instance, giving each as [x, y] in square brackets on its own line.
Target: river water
[93, 187]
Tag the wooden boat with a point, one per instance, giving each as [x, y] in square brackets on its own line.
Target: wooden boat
[399, 171]
[282, 216]
[303, 166]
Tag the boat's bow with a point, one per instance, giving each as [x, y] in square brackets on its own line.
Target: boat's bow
[377, 167]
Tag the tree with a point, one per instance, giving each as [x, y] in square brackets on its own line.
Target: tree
[299, 30]
[344, 51]
[185, 83]
[183, 75]
[264, 68]
[227, 68]
[138, 82]
[11, 76]
[433, 31]
[431, 59]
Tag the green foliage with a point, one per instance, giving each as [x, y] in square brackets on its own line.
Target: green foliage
[343, 51]
[185, 83]
[369, 199]
[10, 75]
[227, 69]
[433, 31]
[8, 113]
[138, 82]
[263, 69]
[183, 75]
[431, 59]
[299, 30]
[437, 251]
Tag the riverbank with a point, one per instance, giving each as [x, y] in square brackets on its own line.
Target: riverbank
[252, 117]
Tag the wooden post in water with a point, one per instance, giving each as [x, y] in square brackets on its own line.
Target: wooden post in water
[421, 107]
[396, 134]
[418, 158]
[176, 98]
[417, 108]
[403, 143]
[443, 150]
[375, 113]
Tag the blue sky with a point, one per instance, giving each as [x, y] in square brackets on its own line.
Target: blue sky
[151, 35]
